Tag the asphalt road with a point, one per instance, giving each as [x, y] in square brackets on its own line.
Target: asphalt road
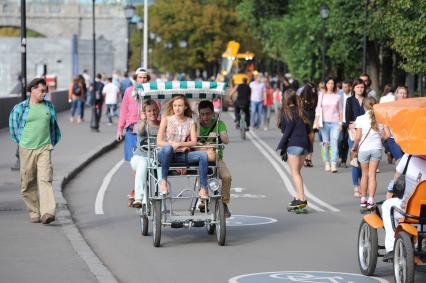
[324, 240]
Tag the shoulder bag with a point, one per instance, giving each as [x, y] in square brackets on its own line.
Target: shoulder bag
[399, 185]
[318, 122]
[354, 154]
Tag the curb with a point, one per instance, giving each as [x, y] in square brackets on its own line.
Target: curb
[71, 231]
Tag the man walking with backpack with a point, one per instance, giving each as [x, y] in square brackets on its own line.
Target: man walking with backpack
[33, 126]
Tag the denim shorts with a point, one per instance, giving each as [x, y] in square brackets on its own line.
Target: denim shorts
[296, 150]
[372, 154]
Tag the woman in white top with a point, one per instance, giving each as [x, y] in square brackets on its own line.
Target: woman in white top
[368, 144]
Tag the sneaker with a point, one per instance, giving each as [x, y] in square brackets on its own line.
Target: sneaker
[47, 218]
[131, 195]
[327, 166]
[297, 202]
[333, 167]
[227, 213]
[35, 220]
[371, 204]
[377, 170]
[137, 203]
[363, 203]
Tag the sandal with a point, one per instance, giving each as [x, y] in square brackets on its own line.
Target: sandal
[306, 163]
[203, 194]
[163, 191]
[137, 203]
[357, 194]
[181, 171]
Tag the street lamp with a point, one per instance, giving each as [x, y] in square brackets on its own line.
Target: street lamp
[324, 16]
[94, 122]
[129, 12]
[364, 49]
[140, 28]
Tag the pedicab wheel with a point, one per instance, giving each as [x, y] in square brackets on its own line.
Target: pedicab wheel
[156, 223]
[367, 248]
[403, 259]
[220, 223]
[144, 221]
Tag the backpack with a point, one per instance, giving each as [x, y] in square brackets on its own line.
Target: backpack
[76, 89]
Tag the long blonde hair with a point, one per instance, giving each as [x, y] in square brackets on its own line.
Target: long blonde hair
[169, 109]
[368, 103]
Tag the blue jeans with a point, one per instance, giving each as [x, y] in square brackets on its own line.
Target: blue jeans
[111, 110]
[167, 155]
[330, 135]
[76, 106]
[256, 113]
[395, 149]
[356, 171]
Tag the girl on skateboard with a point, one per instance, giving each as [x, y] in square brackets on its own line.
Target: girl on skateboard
[295, 143]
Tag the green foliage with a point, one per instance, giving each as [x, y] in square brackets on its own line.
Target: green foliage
[206, 27]
[405, 23]
[16, 32]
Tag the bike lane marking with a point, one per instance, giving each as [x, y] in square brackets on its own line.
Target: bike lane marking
[248, 220]
[287, 183]
[305, 277]
[273, 154]
[99, 202]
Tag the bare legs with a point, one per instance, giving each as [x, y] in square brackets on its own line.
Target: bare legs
[295, 163]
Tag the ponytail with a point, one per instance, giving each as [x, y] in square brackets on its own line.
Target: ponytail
[368, 103]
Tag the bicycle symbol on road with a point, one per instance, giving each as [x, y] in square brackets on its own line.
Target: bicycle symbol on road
[305, 277]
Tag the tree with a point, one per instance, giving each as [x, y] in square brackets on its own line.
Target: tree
[404, 21]
[204, 26]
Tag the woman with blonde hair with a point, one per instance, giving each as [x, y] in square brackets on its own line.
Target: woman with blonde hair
[295, 142]
[368, 144]
[177, 133]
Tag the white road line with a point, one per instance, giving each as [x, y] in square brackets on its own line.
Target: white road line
[278, 167]
[310, 196]
[277, 163]
[99, 203]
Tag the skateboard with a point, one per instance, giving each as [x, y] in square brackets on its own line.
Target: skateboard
[301, 209]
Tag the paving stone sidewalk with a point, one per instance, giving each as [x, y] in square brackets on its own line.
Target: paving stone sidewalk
[55, 252]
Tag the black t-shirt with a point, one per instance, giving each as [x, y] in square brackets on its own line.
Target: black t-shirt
[243, 95]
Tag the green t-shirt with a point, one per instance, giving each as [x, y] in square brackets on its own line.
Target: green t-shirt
[36, 132]
[220, 127]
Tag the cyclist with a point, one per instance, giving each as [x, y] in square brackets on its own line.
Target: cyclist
[210, 126]
[242, 102]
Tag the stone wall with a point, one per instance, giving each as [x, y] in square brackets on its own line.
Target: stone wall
[59, 99]
[56, 54]
[64, 20]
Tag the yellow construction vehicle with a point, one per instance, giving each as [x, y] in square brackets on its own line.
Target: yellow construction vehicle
[236, 66]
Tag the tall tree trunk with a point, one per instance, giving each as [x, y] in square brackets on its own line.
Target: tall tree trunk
[373, 64]
[386, 67]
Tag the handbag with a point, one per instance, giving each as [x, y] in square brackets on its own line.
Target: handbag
[399, 185]
[354, 154]
[318, 122]
[211, 151]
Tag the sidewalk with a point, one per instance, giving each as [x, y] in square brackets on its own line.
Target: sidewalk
[55, 252]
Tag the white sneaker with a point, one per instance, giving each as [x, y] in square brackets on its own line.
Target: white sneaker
[333, 167]
[327, 166]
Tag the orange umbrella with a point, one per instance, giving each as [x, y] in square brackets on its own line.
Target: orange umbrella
[407, 119]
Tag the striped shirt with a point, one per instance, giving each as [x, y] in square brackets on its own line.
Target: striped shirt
[18, 119]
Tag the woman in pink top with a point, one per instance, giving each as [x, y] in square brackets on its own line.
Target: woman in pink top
[176, 135]
[129, 116]
[330, 104]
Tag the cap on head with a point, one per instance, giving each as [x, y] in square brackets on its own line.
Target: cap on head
[140, 71]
